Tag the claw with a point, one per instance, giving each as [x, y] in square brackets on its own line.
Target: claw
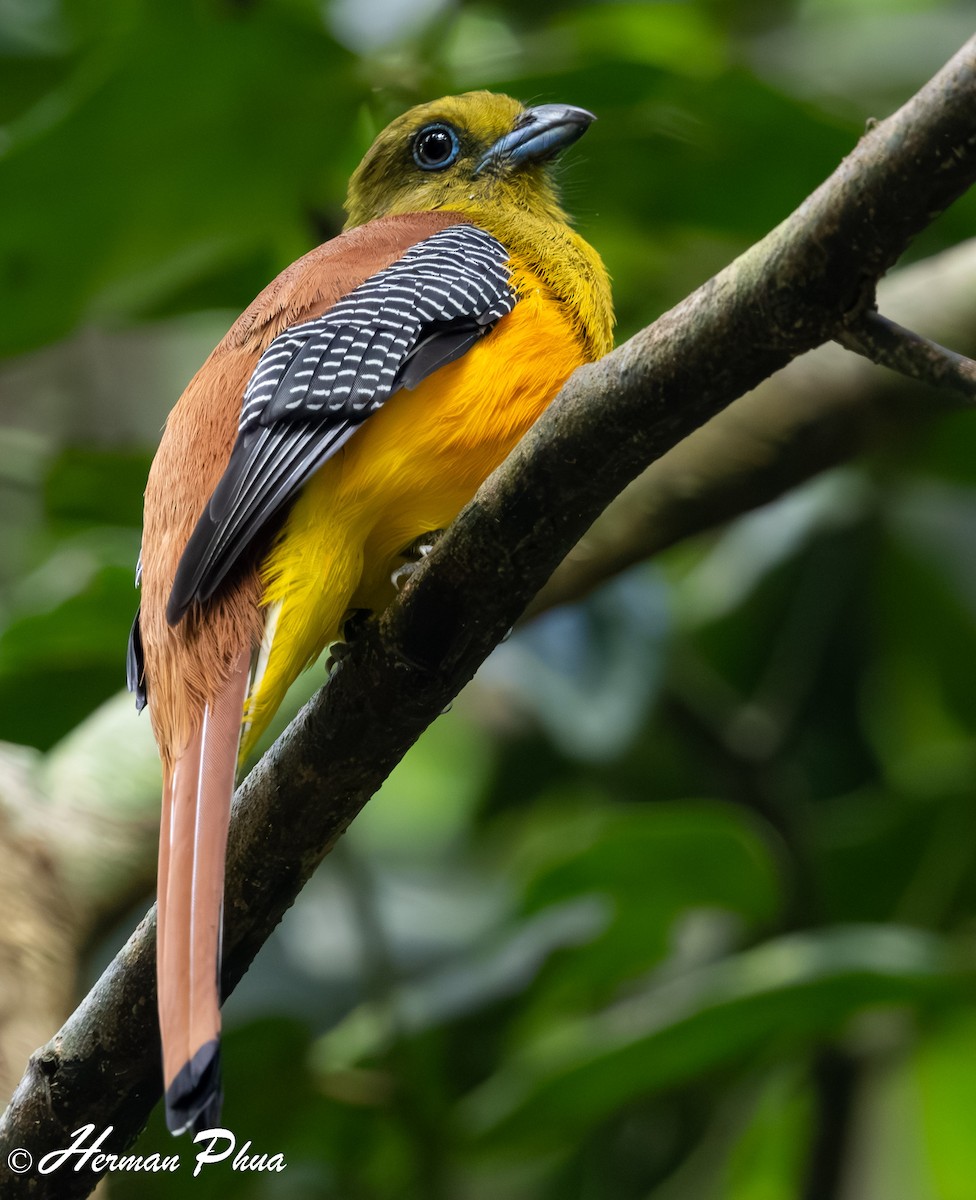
[338, 653]
[352, 626]
[400, 576]
[415, 554]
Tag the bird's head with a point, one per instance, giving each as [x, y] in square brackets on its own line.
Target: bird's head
[468, 153]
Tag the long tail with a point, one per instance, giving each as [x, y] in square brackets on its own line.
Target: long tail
[192, 849]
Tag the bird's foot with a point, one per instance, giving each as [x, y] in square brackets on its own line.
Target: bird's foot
[352, 627]
[414, 554]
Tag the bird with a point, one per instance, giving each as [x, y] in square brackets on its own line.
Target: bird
[343, 421]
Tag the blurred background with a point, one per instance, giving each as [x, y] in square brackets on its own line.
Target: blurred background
[678, 900]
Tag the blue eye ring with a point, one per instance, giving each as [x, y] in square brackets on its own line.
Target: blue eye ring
[435, 147]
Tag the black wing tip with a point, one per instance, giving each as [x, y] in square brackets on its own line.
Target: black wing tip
[135, 664]
[190, 570]
[197, 572]
[195, 1097]
[176, 606]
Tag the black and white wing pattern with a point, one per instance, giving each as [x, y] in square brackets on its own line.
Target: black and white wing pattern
[317, 381]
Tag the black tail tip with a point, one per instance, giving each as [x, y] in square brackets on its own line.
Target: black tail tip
[194, 1098]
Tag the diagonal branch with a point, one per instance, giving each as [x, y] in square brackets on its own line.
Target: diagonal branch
[797, 288]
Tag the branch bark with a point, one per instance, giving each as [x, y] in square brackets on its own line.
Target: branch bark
[892, 345]
[797, 288]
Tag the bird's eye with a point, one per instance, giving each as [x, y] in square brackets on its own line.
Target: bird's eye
[435, 147]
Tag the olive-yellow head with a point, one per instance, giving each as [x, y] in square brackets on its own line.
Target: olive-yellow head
[471, 153]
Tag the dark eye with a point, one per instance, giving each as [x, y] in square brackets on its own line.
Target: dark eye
[435, 147]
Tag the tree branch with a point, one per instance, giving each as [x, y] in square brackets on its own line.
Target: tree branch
[892, 345]
[797, 288]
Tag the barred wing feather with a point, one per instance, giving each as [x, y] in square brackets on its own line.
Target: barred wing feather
[319, 380]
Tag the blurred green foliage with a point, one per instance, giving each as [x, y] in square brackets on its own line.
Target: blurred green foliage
[679, 901]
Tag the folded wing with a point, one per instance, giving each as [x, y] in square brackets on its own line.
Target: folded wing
[319, 380]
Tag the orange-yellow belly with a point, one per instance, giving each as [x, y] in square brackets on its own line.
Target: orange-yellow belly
[408, 470]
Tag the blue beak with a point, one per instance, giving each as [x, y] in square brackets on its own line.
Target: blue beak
[539, 134]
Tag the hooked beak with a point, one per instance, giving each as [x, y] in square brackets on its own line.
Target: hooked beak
[539, 134]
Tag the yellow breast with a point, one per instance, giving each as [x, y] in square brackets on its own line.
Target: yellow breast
[408, 470]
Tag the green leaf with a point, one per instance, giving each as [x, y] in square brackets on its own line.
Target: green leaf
[653, 868]
[758, 1003]
[166, 156]
[946, 1083]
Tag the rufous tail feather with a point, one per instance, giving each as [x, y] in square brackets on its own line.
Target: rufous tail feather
[192, 849]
